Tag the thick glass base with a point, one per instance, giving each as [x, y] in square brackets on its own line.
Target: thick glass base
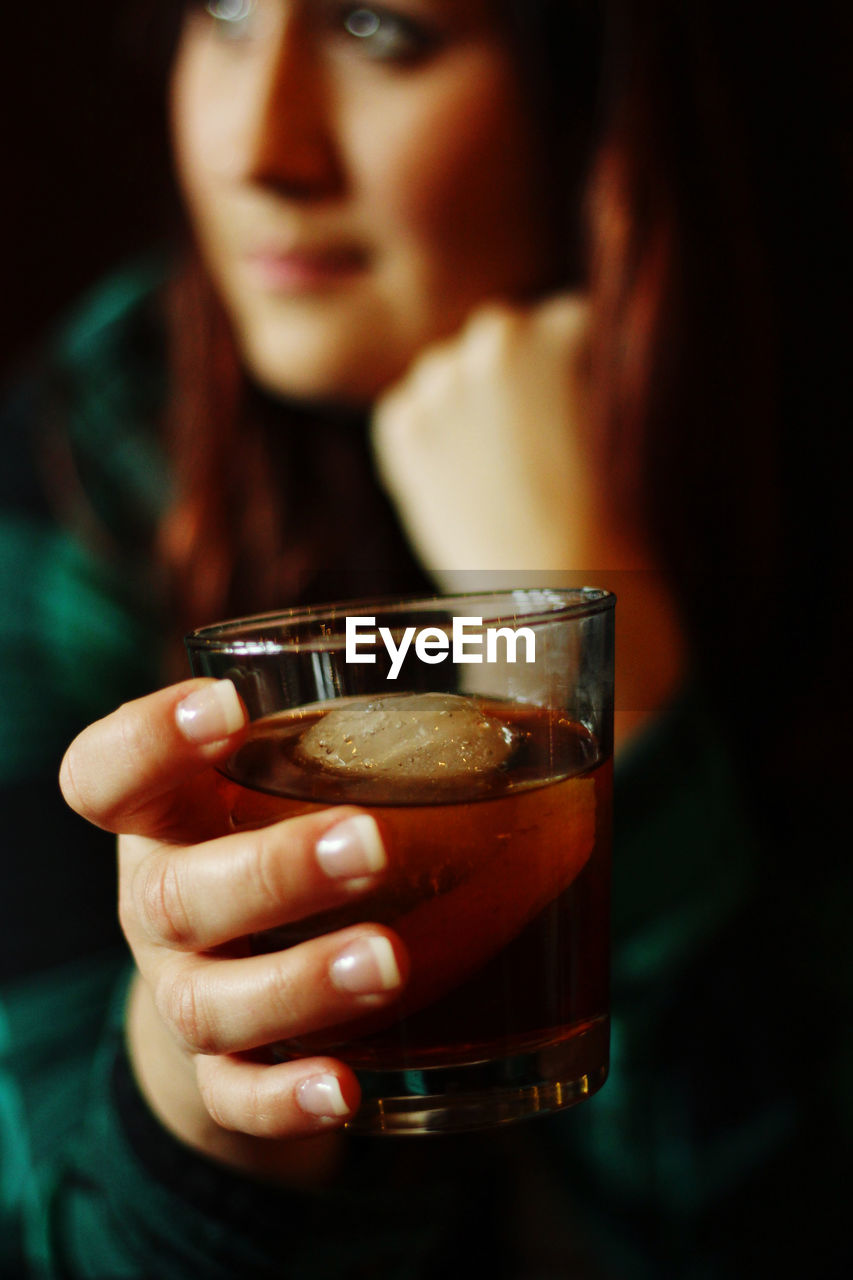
[478, 1095]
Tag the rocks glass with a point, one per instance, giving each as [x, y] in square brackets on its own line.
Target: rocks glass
[478, 731]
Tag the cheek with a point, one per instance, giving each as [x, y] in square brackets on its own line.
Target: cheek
[202, 132]
[456, 182]
[189, 141]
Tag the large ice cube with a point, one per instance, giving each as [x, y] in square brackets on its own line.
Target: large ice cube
[408, 739]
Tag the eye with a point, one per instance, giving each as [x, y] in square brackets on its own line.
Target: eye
[386, 36]
[232, 17]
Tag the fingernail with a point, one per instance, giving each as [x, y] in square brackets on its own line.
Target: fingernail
[366, 967]
[352, 848]
[211, 713]
[321, 1096]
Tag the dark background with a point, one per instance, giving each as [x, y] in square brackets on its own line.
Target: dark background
[87, 178]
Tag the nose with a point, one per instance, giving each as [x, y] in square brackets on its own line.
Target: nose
[290, 143]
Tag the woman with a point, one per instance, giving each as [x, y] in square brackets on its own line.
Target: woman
[343, 170]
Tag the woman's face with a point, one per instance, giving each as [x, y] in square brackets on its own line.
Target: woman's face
[359, 178]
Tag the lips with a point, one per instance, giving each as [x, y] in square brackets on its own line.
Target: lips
[303, 269]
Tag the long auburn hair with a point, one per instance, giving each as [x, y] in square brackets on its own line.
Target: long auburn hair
[275, 504]
[710, 145]
[720, 214]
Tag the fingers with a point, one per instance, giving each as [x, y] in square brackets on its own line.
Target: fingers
[497, 332]
[178, 905]
[290, 1099]
[227, 1006]
[190, 897]
[124, 772]
[197, 898]
[501, 411]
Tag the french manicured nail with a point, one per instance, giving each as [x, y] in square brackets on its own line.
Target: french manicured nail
[366, 967]
[321, 1096]
[211, 713]
[351, 849]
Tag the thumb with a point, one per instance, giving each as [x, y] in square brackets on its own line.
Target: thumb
[122, 773]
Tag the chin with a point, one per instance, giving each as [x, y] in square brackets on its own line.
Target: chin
[352, 383]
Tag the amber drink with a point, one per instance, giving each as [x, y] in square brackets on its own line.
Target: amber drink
[493, 796]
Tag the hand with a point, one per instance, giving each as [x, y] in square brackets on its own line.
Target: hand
[481, 446]
[485, 448]
[189, 897]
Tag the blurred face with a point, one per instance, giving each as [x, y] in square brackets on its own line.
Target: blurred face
[359, 178]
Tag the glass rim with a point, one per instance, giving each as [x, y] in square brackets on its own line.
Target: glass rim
[231, 635]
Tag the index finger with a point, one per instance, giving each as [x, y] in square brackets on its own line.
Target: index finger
[129, 772]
